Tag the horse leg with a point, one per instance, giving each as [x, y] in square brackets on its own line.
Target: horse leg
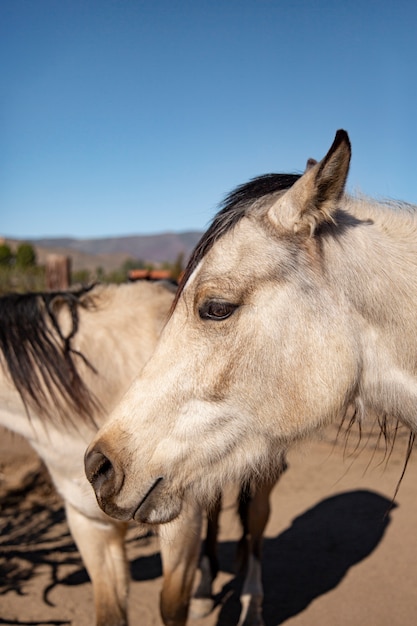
[202, 601]
[180, 542]
[254, 510]
[101, 545]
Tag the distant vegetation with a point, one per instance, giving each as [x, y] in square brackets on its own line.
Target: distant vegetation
[20, 272]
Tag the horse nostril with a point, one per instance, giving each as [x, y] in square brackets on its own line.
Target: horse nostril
[100, 472]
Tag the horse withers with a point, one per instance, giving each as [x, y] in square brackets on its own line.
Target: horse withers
[297, 305]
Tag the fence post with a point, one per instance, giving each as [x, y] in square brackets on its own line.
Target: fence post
[58, 272]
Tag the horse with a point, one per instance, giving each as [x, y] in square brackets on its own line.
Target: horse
[66, 359]
[297, 308]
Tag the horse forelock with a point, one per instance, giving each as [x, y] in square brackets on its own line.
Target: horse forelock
[39, 356]
[234, 207]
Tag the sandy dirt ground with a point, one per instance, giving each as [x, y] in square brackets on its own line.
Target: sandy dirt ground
[336, 552]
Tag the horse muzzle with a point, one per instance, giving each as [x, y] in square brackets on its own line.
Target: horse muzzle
[107, 480]
[154, 505]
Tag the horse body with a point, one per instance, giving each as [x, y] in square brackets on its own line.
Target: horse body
[298, 305]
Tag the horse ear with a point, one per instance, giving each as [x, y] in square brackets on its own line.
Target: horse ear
[310, 163]
[314, 198]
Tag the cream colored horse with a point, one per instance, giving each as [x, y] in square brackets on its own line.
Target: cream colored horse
[72, 356]
[67, 359]
[298, 305]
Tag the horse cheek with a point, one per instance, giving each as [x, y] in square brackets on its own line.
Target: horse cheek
[335, 375]
[317, 373]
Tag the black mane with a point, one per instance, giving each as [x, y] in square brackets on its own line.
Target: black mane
[232, 209]
[37, 355]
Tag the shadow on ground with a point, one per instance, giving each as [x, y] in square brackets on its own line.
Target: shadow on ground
[305, 561]
[312, 556]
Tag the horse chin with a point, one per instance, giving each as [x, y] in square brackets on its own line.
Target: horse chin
[112, 510]
[158, 506]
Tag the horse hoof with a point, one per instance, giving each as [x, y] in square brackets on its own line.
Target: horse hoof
[200, 607]
[251, 613]
[252, 618]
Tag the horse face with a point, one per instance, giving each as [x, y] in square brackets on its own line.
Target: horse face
[258, 351]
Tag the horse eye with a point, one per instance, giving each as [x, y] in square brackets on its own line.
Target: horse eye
[217, 310]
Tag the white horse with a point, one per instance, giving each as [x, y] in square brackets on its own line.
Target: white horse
[67, 359]
[298, 305]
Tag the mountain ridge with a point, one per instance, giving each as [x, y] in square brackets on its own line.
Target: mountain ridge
[111, 252]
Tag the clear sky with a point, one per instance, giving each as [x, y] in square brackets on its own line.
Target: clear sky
[134, 117]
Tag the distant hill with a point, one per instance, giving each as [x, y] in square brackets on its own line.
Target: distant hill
[111, 252]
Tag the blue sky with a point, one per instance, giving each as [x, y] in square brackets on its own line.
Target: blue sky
[134, 117]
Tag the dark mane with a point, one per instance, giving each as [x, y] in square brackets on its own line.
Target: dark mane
[39, 357]
[232, 209]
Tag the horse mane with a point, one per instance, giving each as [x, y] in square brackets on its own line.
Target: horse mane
[40, 359]
[233, 208]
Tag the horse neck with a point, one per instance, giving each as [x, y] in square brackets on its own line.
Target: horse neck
[373, 261]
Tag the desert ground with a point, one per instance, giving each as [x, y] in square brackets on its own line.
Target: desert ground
[338, 551]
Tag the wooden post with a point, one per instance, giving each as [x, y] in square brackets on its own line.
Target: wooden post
[58, 272]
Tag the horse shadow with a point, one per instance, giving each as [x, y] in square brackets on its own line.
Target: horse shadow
[311, 557]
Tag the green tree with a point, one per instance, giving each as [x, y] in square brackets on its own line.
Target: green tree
[117, 276]
[6, 255]
[133, 264]
[82, 277]
[25, 256]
